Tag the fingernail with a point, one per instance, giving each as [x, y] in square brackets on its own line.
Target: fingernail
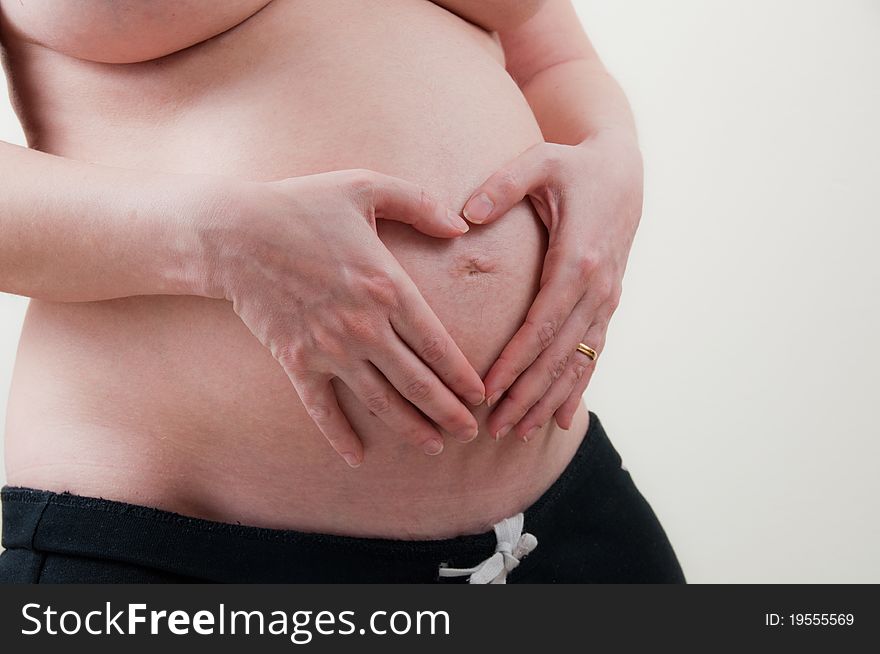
[351, 459]
[457, 222]
[531, 433]
[493, 398]
[433, 447]
[475, 398]
[478, 208]
[501, 433]
[467, 435]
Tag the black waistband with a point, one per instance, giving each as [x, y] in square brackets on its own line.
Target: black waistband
[216, 551]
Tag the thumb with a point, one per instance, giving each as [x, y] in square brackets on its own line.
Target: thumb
[403, 201]
[498, 194]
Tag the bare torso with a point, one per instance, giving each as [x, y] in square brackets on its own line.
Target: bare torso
[169, 401]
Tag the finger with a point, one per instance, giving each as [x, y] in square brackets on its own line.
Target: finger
[564, 415]
[403, 201]
[420, 328]
[319, 399]
[498, 194]
[418, 384]
[547, 369]
[383, 401]
[552, 306]
[570, 385]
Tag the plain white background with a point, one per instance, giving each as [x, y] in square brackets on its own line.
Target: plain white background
[740, 380]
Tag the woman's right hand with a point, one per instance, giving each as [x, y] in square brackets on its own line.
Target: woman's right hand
[305, 270]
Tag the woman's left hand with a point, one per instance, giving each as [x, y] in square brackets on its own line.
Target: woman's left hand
[590, 198]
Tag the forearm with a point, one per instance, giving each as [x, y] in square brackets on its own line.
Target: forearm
[76, 232]
[576, 100]
[568, 88]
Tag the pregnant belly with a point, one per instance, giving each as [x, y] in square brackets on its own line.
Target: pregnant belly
[170, 401]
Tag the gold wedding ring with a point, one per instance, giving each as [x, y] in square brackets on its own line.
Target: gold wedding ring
[586, 349]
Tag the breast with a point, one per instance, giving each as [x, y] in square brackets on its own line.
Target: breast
[122, 31]
[399, 86]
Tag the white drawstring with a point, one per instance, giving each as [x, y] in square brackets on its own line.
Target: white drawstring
[513, 546]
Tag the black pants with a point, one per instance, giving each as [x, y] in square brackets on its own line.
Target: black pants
[592, 526]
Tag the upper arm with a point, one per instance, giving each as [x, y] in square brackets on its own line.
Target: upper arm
[552, 35]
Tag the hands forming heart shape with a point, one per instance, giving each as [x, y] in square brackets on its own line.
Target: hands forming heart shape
[344, 307]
